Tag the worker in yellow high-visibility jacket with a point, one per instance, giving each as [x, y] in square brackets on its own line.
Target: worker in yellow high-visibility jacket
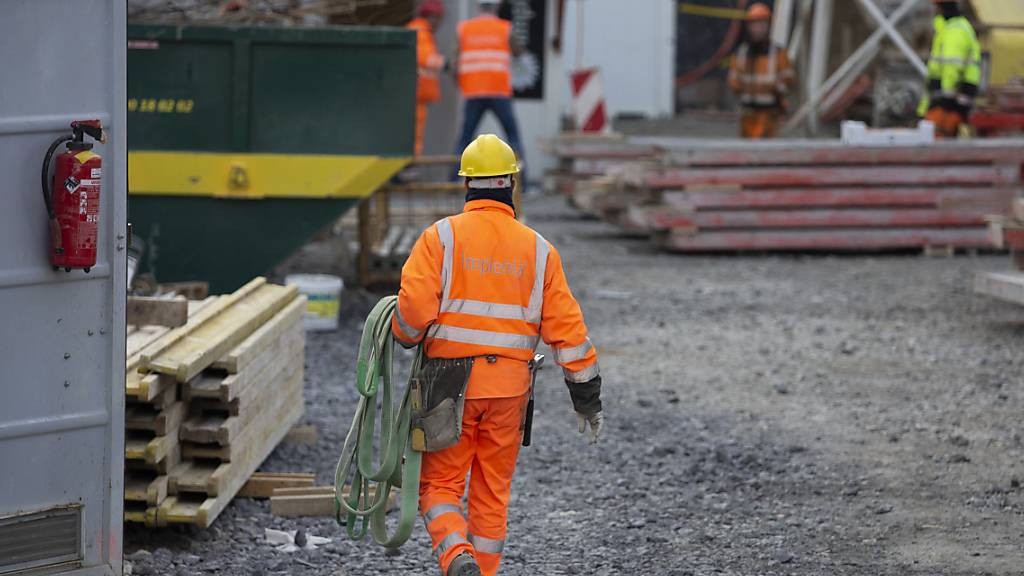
[954, 71]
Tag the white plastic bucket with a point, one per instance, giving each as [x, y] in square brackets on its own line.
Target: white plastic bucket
[323, 299]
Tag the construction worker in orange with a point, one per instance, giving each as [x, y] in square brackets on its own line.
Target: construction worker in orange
[430, 62]
[761, 76]
[481, 290]
[486, 48]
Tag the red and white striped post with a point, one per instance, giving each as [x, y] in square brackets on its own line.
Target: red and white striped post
[588, 100]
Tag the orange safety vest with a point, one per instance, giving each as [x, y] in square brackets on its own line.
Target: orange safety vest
[485, 57]
[483, 284]
[429, 62]
[761, 80]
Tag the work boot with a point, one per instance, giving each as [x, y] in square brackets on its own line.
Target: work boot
[464, 565]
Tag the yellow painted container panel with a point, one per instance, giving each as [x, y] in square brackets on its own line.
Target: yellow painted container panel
[254, 176]
[999, 12]
[1006, 49]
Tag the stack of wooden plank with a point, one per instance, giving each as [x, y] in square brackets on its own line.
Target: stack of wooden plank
[209, 400]
[811, 195]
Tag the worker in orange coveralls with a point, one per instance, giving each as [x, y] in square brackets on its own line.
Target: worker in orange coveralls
[761, 75]
[429, 61]
[481, 289]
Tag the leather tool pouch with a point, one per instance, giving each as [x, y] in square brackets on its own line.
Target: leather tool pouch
[438, 399]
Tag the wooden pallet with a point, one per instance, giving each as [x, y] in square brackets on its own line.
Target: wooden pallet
[190, 355]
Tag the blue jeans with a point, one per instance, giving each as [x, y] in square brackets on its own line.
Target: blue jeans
[473, 112]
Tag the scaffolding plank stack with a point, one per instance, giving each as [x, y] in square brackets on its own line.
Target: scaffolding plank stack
[225, 388]
[806, 195]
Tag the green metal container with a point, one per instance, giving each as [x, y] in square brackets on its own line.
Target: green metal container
[246, 141]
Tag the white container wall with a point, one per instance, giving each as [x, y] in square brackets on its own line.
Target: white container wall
[62, 341]
[633, 44]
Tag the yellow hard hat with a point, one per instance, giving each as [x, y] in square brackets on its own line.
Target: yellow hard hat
[488, 156]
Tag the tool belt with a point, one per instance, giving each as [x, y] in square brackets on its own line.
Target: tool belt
[438, 398]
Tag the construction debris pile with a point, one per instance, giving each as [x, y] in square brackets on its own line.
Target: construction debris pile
[207, 401]
[793, 195]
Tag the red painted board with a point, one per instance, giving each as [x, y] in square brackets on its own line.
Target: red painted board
[831, 176]
[916, 155]
[574, 153]
[827, 240]
[824, 218]
[842, 197]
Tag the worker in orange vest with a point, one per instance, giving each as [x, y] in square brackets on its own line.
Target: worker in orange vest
[761, 76]
[486, 48]
[429, 61]
[480, 290]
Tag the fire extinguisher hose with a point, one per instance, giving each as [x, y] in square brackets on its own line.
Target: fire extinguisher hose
[397, 464]
[47, 183]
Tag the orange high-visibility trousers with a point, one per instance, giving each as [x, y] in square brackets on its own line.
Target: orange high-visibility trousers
[947, 122]
[421, 122]
[757, 124]
[492, 430]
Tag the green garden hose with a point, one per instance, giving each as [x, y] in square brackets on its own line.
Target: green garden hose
[364, 504]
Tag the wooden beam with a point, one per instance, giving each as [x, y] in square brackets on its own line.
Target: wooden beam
[302, 435]
[208, 312]
[150, 311]
[209, 341]
[246, 352]
[263, 484]
[315, 501]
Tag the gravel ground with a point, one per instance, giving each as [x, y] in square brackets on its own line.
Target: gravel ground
[766, 415]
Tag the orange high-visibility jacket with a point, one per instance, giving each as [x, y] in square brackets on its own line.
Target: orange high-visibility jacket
[483, 284]
[761, 80]
[485, 57]
[429, 61]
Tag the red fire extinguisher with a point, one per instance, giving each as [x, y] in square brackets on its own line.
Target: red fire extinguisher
[72, 197]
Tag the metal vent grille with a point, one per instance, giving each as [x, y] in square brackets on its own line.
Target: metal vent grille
[37, 540]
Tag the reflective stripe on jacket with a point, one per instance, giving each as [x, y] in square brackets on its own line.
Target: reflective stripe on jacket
[954, 66]
[485, 57]
[483, 284]
[761, 80]
[428, 60]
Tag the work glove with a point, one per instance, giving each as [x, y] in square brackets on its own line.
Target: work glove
[596, 422]
[586, 401]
